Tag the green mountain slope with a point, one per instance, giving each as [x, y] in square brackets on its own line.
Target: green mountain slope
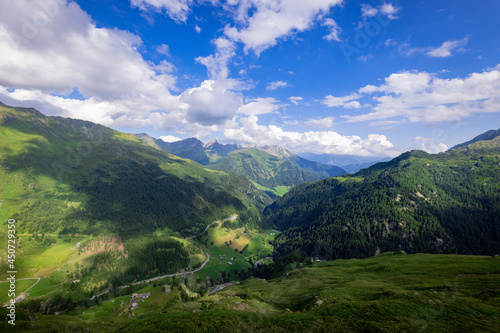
[417, 202]
[271, 171]
[68, 176]
[273, 168]
[490, 135]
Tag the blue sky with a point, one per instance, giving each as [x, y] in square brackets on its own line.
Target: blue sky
[365, 78]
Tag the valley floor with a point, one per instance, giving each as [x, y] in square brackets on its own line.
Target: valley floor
[392, 292]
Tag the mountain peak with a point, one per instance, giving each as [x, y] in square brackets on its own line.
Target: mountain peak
[212, 143]
[277, 151]
[489, 135]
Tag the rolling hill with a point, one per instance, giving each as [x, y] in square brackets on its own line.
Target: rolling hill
[417, 202]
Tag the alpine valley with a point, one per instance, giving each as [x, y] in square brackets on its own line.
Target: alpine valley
[128, 233]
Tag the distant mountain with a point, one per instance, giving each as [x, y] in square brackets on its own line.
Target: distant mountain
[353, 168]
[268, 166]
[192, 148]
[489, 135]
[341, 160]
[274, 166]
[417, 202]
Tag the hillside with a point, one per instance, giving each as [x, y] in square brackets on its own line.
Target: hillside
[417, 202]
[489, 135]
[70, 176]
[273, 170]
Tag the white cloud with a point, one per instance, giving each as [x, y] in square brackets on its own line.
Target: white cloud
[368, 11]
[386, 9]
[295, 99]
[443, 51]
[169, 138]
[67, 52]
[217, 64]
[197, 29]
[320, 123]
[277, 84]
[70, 51]
[421, 96]
[446, 48]
[164, 67]
[334, 30]
[177, 10]
[430, 145]
[213, 103]
[259, 106]
[389, 10]
[261, 23]
[163, 49]
[348, 102]
[321, 142]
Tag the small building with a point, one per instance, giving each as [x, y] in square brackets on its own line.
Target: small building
[135, 305]
[220, 257]
[229, 263]
[231, 259]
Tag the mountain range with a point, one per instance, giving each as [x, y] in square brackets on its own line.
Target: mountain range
[272, 168]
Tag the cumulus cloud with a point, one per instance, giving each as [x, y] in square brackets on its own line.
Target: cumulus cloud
[348, 102]
[261, 23]
[422, 96]
[177, 10]
[320, 142]
[447, 47]
[277, 84]
[213, 103]
[69, 51]
[169, 138]
[430, 145]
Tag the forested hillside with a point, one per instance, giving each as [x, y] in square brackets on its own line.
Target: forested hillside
[444, 203]
[271, 171]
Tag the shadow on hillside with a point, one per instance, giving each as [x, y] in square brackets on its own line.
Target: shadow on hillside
[120, 185]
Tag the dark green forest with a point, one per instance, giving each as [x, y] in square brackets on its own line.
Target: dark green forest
[445, 203]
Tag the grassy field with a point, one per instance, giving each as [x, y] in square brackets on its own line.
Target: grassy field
[388, 293]
[278, 190]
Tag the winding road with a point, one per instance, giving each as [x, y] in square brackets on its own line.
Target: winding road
[155, 278]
